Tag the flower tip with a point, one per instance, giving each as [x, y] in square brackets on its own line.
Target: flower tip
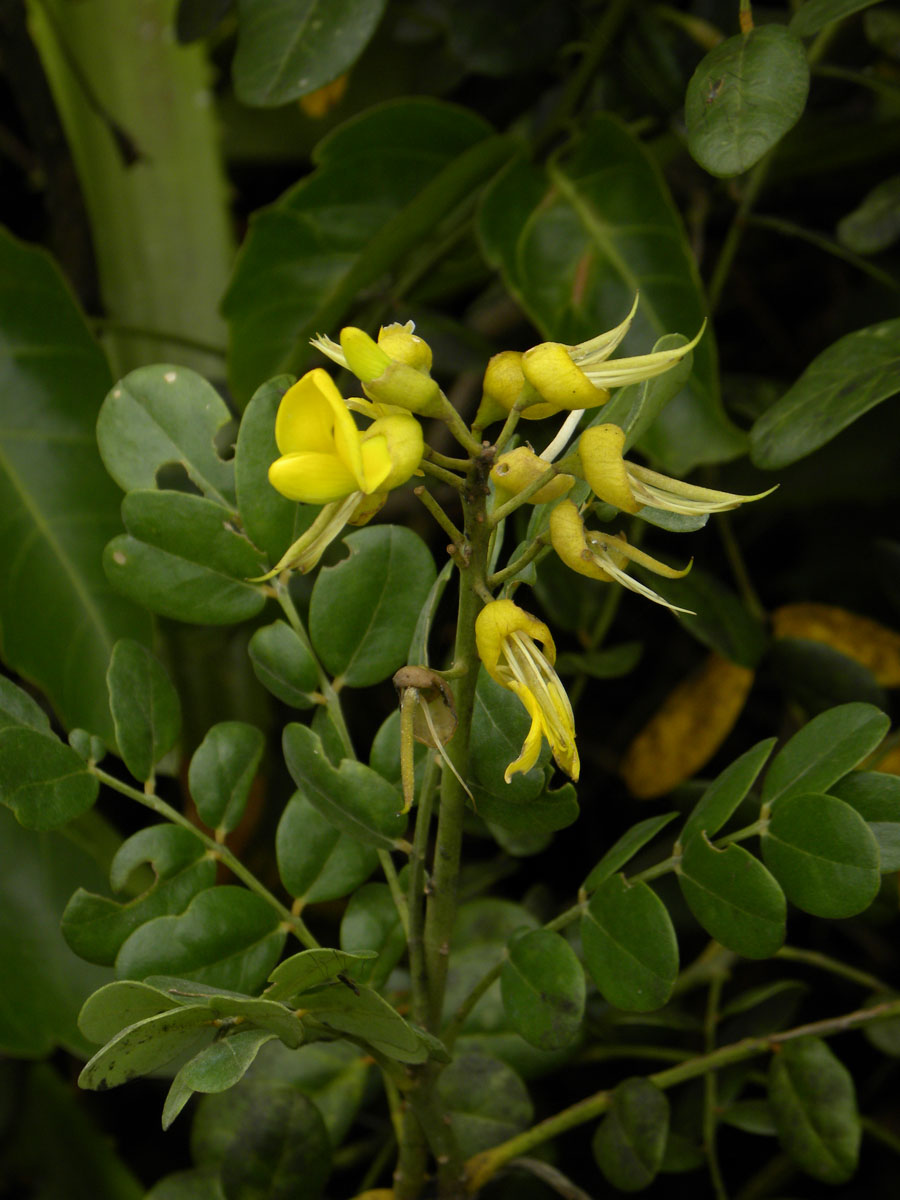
[363, 356]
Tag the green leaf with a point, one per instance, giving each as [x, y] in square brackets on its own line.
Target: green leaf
[362, 1013]
[383, 182]
[371, 922]
[631, 1139]
[623, 850]
[744, 97]
[750, 1116]
[636, 407]
[824, 750]
[58, 615]
[854, 374]
[195, 1184]
[818, 677]
[816, 14]
[316, 861]
[148, 1045]
[288, 48]
[611, 663]
[278, 1148]
[629, 945]
[875, 224]
[312, 968]
[499, 726]
[18, 709]
[119, 1004]
[353, 798]
[719, 618]
[823, 854]
[486, 1101]
[214, 1069]
[418, 648]
[547, 812]
[44, 983]
[183, 559]
[725, 793]
[44, 782]
[222, 771]
[813, 1102]
[283, 665]
[574, 246]
[363, 611]
[542, 984]
[161, 415]
[733, 897]
[197, 19]
[95, 926]
[227, 937]
[876, 797]
[270, 521]
[145, 707]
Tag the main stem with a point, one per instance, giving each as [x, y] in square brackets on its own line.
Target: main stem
[440, 909]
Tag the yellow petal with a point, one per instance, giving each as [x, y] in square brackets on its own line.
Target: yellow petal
[305, 418]
[600, 450]
[687, 730]
[567, 536]
[312, 478]
[599, 348]
[364, 357]
[674, 495]
[402, 436]
[400, 343]
[645, 366]
[496, 622]
[531, 747]
[513, 472]
[550, 370]
[860, 638]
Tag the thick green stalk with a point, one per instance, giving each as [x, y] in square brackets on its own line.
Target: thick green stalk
[139, 117]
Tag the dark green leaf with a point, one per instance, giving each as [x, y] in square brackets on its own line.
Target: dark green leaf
[625, 849]
[750, 1116]
[119, 1004]
[636, 407]
[58, 615]
[744, 97]
[629, 945]
[44, 782]
[95, 926]
[362, 1013]
[819, 676]
[816, 14]
[547, 812]
[227, 937]
[725, 793]
[363, 610]
[876, 797]
[630, 1141]
[611, 663]
[196, 1184]
[18, 709]
[197, 19]
[312, 968]
[875, 224]
[382, 183]
[733, 897]
[271, 522]
[44, 983]
[288, 48]
[183, 559]
[719, 619]
[418, 647]
[145, 708]
[854, 374]
[283, 664]
[542, 984]
[354, 798]
[576, 244]
[499, 727]
[371, 922]
[160, 415]
[316, 860]
[823, 854]
[214, 1069]
[824, 750]
[486, 1101]
[813, 1102]
[148, 1045]
[222, 771]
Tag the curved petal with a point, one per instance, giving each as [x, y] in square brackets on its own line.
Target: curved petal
[531, 747]
[600, 450]
[549, 368]
[567, 537]
[402, 434]
[496, 622]
[312, 478]
[305, 415]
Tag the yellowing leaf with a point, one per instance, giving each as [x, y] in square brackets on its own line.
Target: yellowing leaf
[860, 638]
[684, 734]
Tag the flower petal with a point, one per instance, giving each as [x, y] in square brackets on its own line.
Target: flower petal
[600, 450]
[644, 366]
[550, 370]
[599, 348]
[311, 477]
[305, 415]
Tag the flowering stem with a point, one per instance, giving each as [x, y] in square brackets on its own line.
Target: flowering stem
[216, 850]
[455, 535]
[430, 467]
[518, 564]
[524, 495]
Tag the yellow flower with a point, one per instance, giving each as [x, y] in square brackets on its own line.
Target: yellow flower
[629, 486]
[514, 471]
[325, 459]
[506, 637]
[394, 371]
[604, 556]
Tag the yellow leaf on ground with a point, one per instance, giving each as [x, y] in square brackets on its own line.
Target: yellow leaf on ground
[684, 734]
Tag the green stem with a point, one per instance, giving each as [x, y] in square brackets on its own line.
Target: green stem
[216, 850]
[738, 567]
[752, 188]
[415, 895]
[710, 1088]
[455, 535]
[512, 569]
[484, 1166]
[524, 495]
[813, 958]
